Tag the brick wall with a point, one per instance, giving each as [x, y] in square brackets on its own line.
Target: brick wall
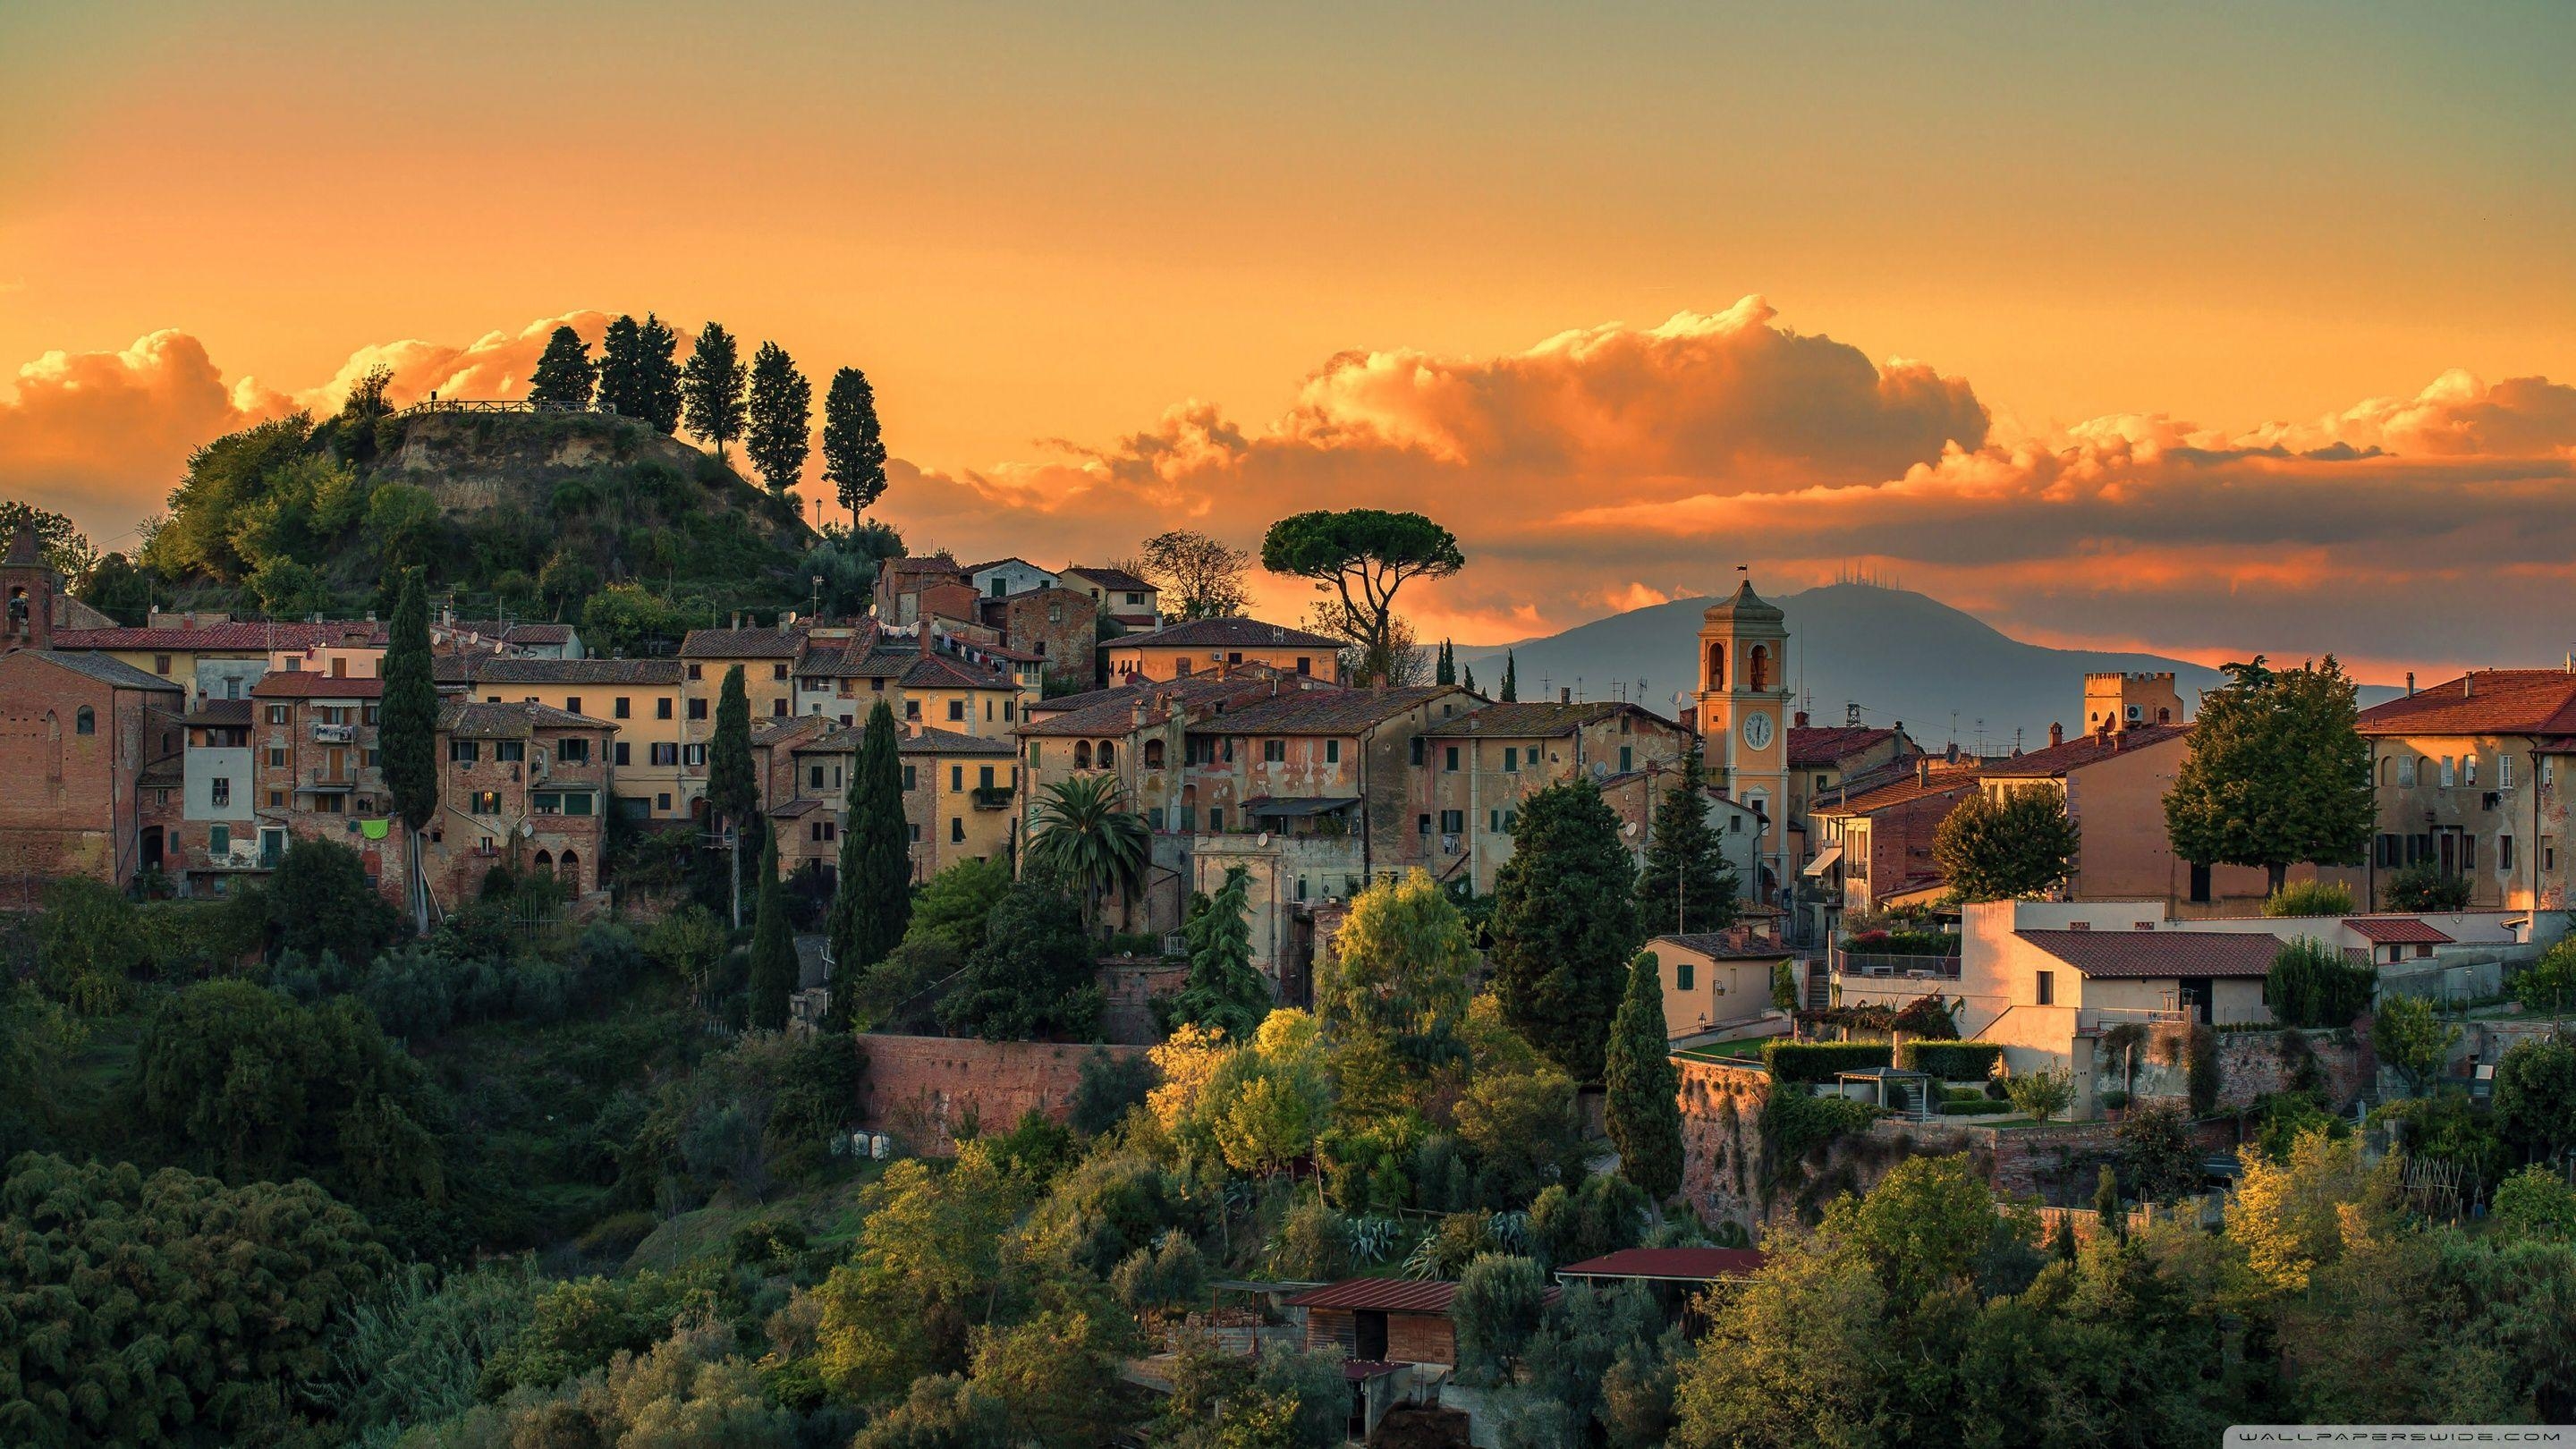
[1128, 989]
[1057, 623]
[2250, 1065]
[922, 1088]
[71, 805]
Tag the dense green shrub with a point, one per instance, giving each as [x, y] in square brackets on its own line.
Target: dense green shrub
[1802, 1061]
[1953, 1061]
[2312, 985]
[2310, 898]
[1977, 1107]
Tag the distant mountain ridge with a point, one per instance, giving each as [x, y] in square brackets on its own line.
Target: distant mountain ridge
[1899, 656]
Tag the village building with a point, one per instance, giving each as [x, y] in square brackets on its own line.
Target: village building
[318, 769]
[1003, 577]
[1743, 704]
[909, 590]
[222, 659]
[767, 657]
[1199, 646]
[1829, 763]
[2126, 701]
[535, 639]
[1716, 979]
[1055, 630]
[1477, 766]
[1126, 600]
[1875, 849]
[660, 770]
[521, 785]
[960, 795]
[2465, 778]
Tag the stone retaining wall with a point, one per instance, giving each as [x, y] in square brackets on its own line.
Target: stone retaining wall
[924, 1089]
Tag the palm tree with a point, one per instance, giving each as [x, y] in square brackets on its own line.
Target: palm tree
[1085, 832]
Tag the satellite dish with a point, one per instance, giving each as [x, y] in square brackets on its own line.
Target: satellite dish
[1262, 839]
[1630, 828]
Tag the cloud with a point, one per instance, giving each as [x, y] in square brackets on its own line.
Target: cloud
[495, 365]
[103, 435]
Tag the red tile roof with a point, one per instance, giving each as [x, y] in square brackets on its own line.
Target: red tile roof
[1694, 1265]
[2056, 760]
[1811, 745]
[2485, 701]
[1737, 943]
[1229, 633]
[2398, 931]
[1323, 712]
[1385, 1295]
[229, 637]
[1111, 578]
[1537, 720]
[2151, 954]
[312, 684]
[1942, 780]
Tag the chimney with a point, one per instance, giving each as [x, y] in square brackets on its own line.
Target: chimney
[2056, 735]
[1565, 694]
[1950, 754]
[1923, 770]
[2410, 684]
[2469, 684]
[1799, 720]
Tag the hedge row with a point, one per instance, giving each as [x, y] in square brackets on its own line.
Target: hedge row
[1952, 1061]
[1815, 1061]
[1975, 1109]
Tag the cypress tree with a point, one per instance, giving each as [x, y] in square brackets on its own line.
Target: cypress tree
[1511, 678]
[854, 453]
[1468, 680]
[657, 370]
[1685, 885]
[1445, 671]
[621, 369]
[564, 372]
[873, 902]
[407, 733]
[1644, 1091]
[712, 387]
[773, 947]
[782, 411]
[1564, 925]
[732, 790]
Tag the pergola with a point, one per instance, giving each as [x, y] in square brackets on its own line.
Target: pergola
[1879, 1077]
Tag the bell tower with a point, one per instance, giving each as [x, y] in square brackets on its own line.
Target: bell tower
[27, 585]
[1743, 714]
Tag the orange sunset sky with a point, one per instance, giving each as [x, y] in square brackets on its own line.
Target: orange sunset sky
[2201, 328]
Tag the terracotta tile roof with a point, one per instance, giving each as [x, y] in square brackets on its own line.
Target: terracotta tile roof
[927, 741]
[743, 643]
[1228, 633]
[1812, 745]
[1909, 787]
[1112, 712]
[994, 563]
[771, 732]
[856, 659]
[505, 669]
[220, 713]
[2056, 760]
[1738, 943]
[113, 672]
[1110, 578]
[1537, 721]
[1385, 1295]
[2152, 954]
[514, 721]
[516, 633]
[1324, 712]
[802, 805]
[934, 564]
[312, 684]
[231, 637]
[2398, 931]
[1689, 1265]
[937, 670]
[2486, 701]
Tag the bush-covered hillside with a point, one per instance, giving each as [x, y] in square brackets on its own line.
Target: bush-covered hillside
[584, 517]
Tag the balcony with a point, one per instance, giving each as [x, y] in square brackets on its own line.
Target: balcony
[244, 855]
[993, 797]
[2095, 1020]
[335, 734]
[1873, 963]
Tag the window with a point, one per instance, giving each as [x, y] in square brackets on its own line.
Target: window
[693, 672]
[984, 777]
[2548, 770]
[1422, 824]
[912, 709]
[1453, 822]
[698, 708]
[662, 707]
[1449, 759]
[2387, 852]
[956, 830]
[2450, 772]
[2468, 853]
[1417, 750]
[2406, 770]
[1627, 757]
[916, 833]
[820, 830]
[665, 753]
[509, 751]
[1108, 754]
[956, 778]
[624, 708]
[160, 663]
[1274, 751]
[662, 802]
[1216, 820]
[622, 753]
[908, 779]
[1682, 974]
[1033, 754]
[1305, 664]
[219, 840]
[2549, 852]
[2504, 771]
[693, 756]
[813, 777]
[463, 752]
[276, 799]
[279, 714]
[2504, 852]
[2469, 770]
[2048, 988]
[1332, 752]
[487, 802]
[778, 671]
[276, 758]
[572, 704]
[223, 792]
[1493, 822]
[1511, 759]
[547, 802]
[1006, 711]
[956, 709]
[572, 752]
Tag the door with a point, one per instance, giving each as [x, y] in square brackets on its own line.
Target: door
[2450, 857]
[151, 847]
[1368, 1328]
[2196, 998]
[2200, 884]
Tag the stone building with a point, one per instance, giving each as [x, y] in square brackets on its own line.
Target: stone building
[2465, 775]
[1476, 767]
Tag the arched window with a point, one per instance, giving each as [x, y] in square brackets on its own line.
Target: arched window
[2387, 763]
[1108, 754]
[544, 864]
[2164, 715]
[1757, 668]
[1082, 754]
[568, 869]
[85, 722]
[1716, 667]
[18, 610]
[1153, 754]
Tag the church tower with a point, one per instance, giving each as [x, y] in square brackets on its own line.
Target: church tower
[27, 584]
[1743, 718]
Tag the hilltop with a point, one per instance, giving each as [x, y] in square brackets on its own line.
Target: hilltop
[577, 516]
[1899, 655]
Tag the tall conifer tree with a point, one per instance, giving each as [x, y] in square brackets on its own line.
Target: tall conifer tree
[773, 947]
[657, 371]
[1643, 1089]
[873, 902]
[1511, 678]
[854, 452]
[782, 415]
[1564, 925]
[711, 387]
[407, 733]
[565, 374]
[732, 790]
[1685, 885]
[621, 370]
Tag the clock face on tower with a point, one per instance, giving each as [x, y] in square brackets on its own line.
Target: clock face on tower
[1757, 729]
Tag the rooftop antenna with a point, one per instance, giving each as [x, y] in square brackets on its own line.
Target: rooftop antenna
[1851, 713]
